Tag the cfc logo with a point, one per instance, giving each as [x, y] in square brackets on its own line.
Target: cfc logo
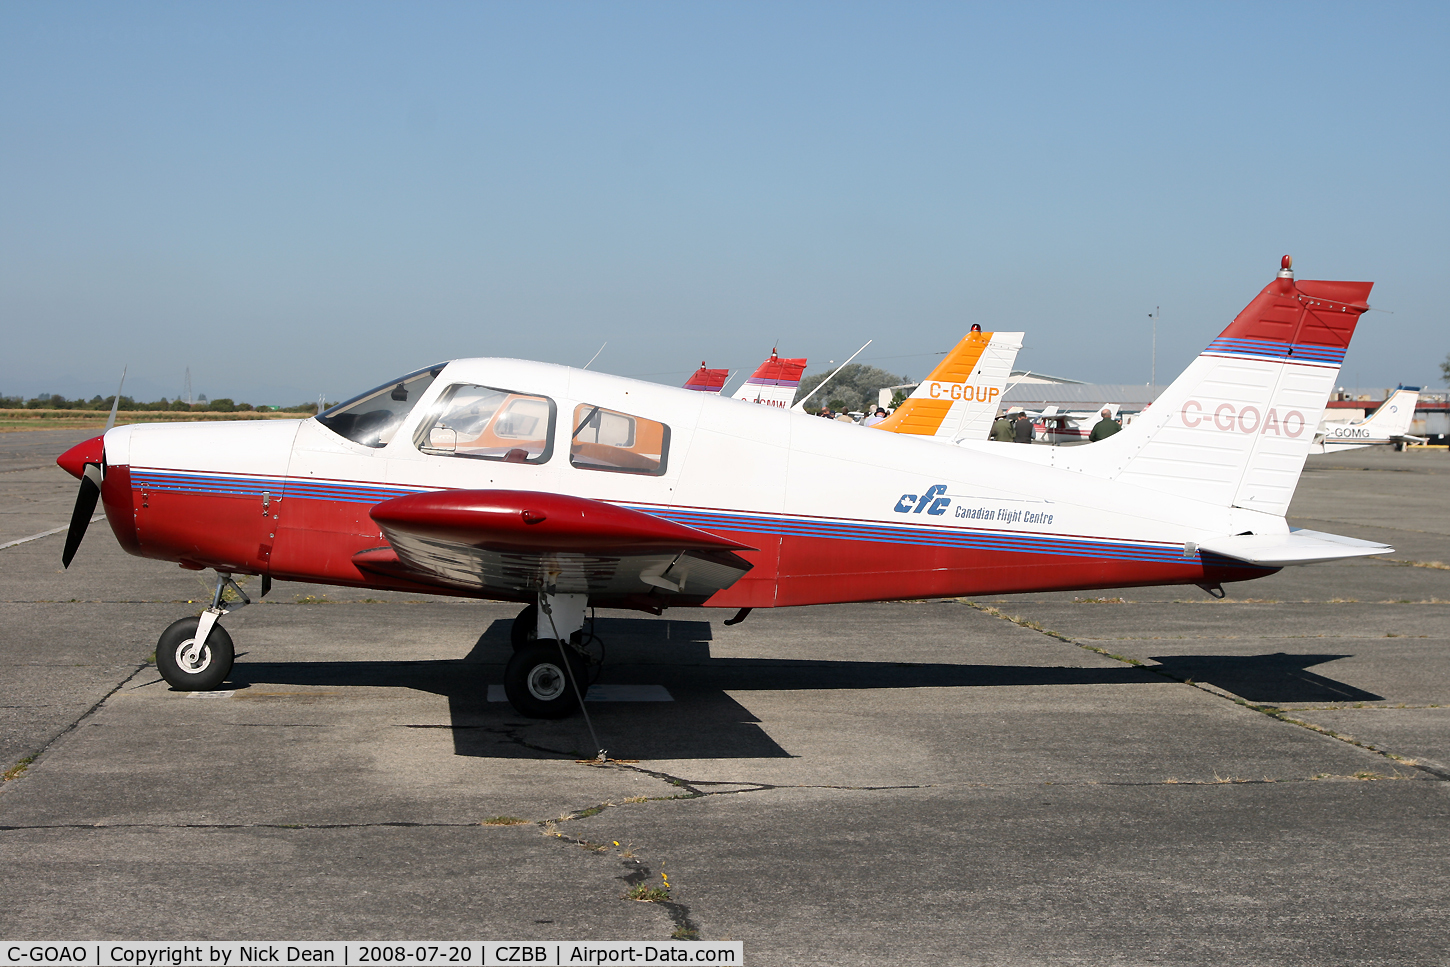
[932, 502]
[1249, 419]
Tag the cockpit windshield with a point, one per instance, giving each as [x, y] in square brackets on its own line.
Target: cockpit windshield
[372, 418]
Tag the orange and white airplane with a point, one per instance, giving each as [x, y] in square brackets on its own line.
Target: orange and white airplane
[959, 399]
[564, 489]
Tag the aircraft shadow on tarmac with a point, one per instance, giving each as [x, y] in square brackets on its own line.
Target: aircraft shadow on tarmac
[1267, 679]
[704, 721]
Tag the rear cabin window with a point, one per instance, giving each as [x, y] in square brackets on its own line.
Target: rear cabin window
[609, 440]
[487, 423]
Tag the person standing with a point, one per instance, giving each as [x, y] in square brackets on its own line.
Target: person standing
[1104, 428]
[875, 418]
[1002, 431]
[1022, 430]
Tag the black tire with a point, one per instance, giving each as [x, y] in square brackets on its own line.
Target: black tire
[537, 682]
[207, 669]
[526, 628]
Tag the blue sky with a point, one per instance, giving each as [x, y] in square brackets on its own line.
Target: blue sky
[300, 198]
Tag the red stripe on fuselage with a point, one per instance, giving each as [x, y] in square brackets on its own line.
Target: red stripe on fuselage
[819, 570]
[316, 540]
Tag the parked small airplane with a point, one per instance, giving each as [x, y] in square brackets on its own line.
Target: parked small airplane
[773, 383]
[1390, 424]
[705, 380]
[1072, 426]
[564, 489]
[959, 399]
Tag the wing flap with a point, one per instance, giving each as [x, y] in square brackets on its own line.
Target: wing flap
[1299, 546]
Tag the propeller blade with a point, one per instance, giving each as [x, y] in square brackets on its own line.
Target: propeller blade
[111, 421]
[80, 518]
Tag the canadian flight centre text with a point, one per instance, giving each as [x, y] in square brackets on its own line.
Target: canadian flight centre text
[347, 954]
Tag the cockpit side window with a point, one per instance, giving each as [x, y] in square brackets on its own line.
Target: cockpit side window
[487, 423]
[610, 440]
[374, 417]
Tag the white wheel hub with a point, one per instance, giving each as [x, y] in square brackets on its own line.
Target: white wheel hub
[192, 657]
[547, 681]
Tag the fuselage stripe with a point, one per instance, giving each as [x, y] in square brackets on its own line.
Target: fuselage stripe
[1274, 349]
[775, 525]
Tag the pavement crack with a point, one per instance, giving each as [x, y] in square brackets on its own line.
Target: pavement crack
[15, 773]
[392, 824]
[1271, 711]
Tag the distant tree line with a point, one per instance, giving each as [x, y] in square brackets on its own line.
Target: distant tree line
[856, 388]
[54, 401]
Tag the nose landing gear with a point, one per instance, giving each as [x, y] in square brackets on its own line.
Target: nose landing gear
[196, 654]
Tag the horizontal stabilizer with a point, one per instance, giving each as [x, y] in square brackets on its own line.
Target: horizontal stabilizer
[1296, 547]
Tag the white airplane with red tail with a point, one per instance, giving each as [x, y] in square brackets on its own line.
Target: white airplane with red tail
[773, 383]
[706, 380]
[564, 489]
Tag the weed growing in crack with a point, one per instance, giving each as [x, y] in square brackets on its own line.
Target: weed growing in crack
[14, 771]
[645, 893]
[685, 933]
[504, 821]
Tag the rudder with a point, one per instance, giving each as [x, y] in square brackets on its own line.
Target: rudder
[1235, 428]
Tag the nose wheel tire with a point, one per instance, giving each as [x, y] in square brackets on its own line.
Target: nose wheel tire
[191, 666]
[537, 682]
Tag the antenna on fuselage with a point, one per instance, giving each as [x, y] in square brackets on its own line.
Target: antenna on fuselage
[596, 355]
[801, 406]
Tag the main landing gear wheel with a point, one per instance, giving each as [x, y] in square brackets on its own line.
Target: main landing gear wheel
[537, 681]
[189, 666]
[526, 628]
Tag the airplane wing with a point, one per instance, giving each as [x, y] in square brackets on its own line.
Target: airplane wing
[1299, 546]
[512, 543]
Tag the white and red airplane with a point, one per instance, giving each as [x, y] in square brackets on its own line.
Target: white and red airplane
[1387, 425]
[564, 489]
[1057, 428]
[773, 383]
[706, 380]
